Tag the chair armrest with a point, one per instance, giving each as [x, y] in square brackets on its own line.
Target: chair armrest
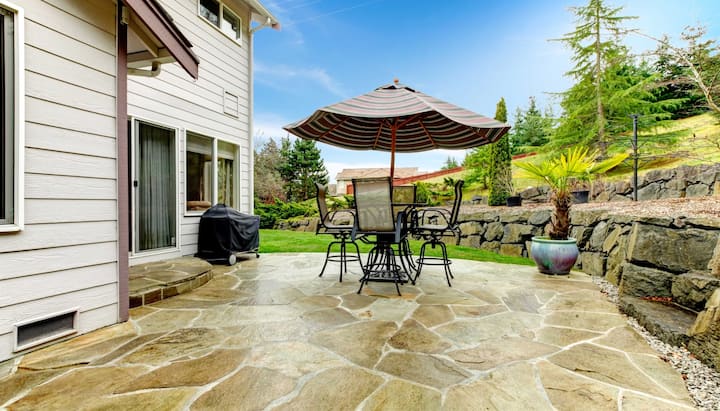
[431, 215]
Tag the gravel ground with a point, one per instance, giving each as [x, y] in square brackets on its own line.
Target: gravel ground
[702, 382]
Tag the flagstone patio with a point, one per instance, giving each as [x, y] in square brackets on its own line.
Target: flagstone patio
[269, 334]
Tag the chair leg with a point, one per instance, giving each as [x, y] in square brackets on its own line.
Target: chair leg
[446, 265]
[327, 258]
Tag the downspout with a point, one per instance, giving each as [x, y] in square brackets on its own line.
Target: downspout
[123, 194]
[153, 72]
[251, 111]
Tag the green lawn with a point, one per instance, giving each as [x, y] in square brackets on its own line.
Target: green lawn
[285, 241]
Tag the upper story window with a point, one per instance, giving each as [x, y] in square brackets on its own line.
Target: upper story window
[11, 111]
[220, 16]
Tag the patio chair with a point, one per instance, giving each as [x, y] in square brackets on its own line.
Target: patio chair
[339, 224]
[432, 224]
[404, 198]
[375, 218]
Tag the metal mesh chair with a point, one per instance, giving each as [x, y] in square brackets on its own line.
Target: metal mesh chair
[339, 224]
[375, 217]
[432, 224]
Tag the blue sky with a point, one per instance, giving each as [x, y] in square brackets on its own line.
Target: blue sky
[467, 52]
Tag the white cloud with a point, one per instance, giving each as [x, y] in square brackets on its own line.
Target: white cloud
[284, 77]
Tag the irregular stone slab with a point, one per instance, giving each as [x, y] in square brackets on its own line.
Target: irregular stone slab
[414, 337]
[449, 297]
[250, 388]
[632, 401]
[586, 300]
[682, 249]
[79, 387]
[293, 359]
[219, 295]
[562, 284]
[167, 320]
[490, 354]
[468, 333]
[354, 301]
[140, 312]
[275, 297]
[329, 318]
[126, 348]
[562, 337]
[23, 380]
[510, 388]
[400, 395]
[254, 334]
[184, 302]
[188, 373]
[608, 366]
[161, 400]
[423, 369]
[477, 311]
[432, 315]
[522, 300]
[238, 315]
[626, 339]
[663, 374]
[485, 296]
[361, 343]
[175, 345]
[567, 390]
[642, 281]
[585, 320]
[316, 302]
[335, 389]
[390, 309]
[79, 350]
[222, 281]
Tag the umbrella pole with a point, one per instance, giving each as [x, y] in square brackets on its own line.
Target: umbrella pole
[393, 131]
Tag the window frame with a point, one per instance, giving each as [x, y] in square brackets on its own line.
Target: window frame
[17, 137]
[216, 155]
[222, 7]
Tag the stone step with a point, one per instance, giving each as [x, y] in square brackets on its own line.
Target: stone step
[668, 322]
[152, 282]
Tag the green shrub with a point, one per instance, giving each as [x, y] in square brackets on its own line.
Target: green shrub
[271, 213]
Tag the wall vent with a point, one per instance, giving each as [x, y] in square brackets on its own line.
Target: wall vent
[38, 331]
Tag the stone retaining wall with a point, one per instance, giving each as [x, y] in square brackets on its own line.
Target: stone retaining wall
[680, 182]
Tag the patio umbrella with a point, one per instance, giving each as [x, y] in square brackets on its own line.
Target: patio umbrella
[397, 118]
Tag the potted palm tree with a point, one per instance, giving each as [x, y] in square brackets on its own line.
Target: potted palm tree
[557, 252]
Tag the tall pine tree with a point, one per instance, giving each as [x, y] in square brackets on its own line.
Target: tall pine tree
[596, 47]
[301, 168]
[500, 162]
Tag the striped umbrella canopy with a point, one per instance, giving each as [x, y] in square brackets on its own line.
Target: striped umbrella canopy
[397, 118]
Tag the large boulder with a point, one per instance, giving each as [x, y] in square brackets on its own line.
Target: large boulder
[694, 289]
[640, 281]
[682, 250]
[705, 333]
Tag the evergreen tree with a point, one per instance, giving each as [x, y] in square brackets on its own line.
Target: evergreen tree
[478, 163]
[268, 184]
[500, 162]
[450, 163]
[302, 168]
[532, 129]
[596, 47]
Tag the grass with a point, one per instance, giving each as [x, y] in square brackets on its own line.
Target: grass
[286, 241]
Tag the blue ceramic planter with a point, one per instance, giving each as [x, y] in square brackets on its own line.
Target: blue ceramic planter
[554, 256]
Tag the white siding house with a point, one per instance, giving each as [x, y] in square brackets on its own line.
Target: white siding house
[80, 118]
[207, 122]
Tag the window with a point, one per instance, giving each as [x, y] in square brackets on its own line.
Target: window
[201, 182]
[10, 118]
[221, 17]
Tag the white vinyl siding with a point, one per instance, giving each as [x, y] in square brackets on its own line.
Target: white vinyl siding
[200, 106]
[66, 254]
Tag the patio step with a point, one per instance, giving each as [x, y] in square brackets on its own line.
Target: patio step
[153, 282]
[668, 322]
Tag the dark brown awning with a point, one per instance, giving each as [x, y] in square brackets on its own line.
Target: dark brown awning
[156, 39]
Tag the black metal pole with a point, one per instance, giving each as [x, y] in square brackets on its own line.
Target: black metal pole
[635, 158]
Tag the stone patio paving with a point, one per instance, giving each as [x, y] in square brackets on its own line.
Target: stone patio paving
[269, 334]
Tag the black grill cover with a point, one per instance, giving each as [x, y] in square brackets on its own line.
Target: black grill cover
[224, 231]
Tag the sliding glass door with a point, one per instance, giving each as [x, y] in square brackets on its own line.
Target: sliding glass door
[154, 188]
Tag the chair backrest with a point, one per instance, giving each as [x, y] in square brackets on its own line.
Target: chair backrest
[456, 204]
[322, 205]
[403, 195]
[373, 204]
